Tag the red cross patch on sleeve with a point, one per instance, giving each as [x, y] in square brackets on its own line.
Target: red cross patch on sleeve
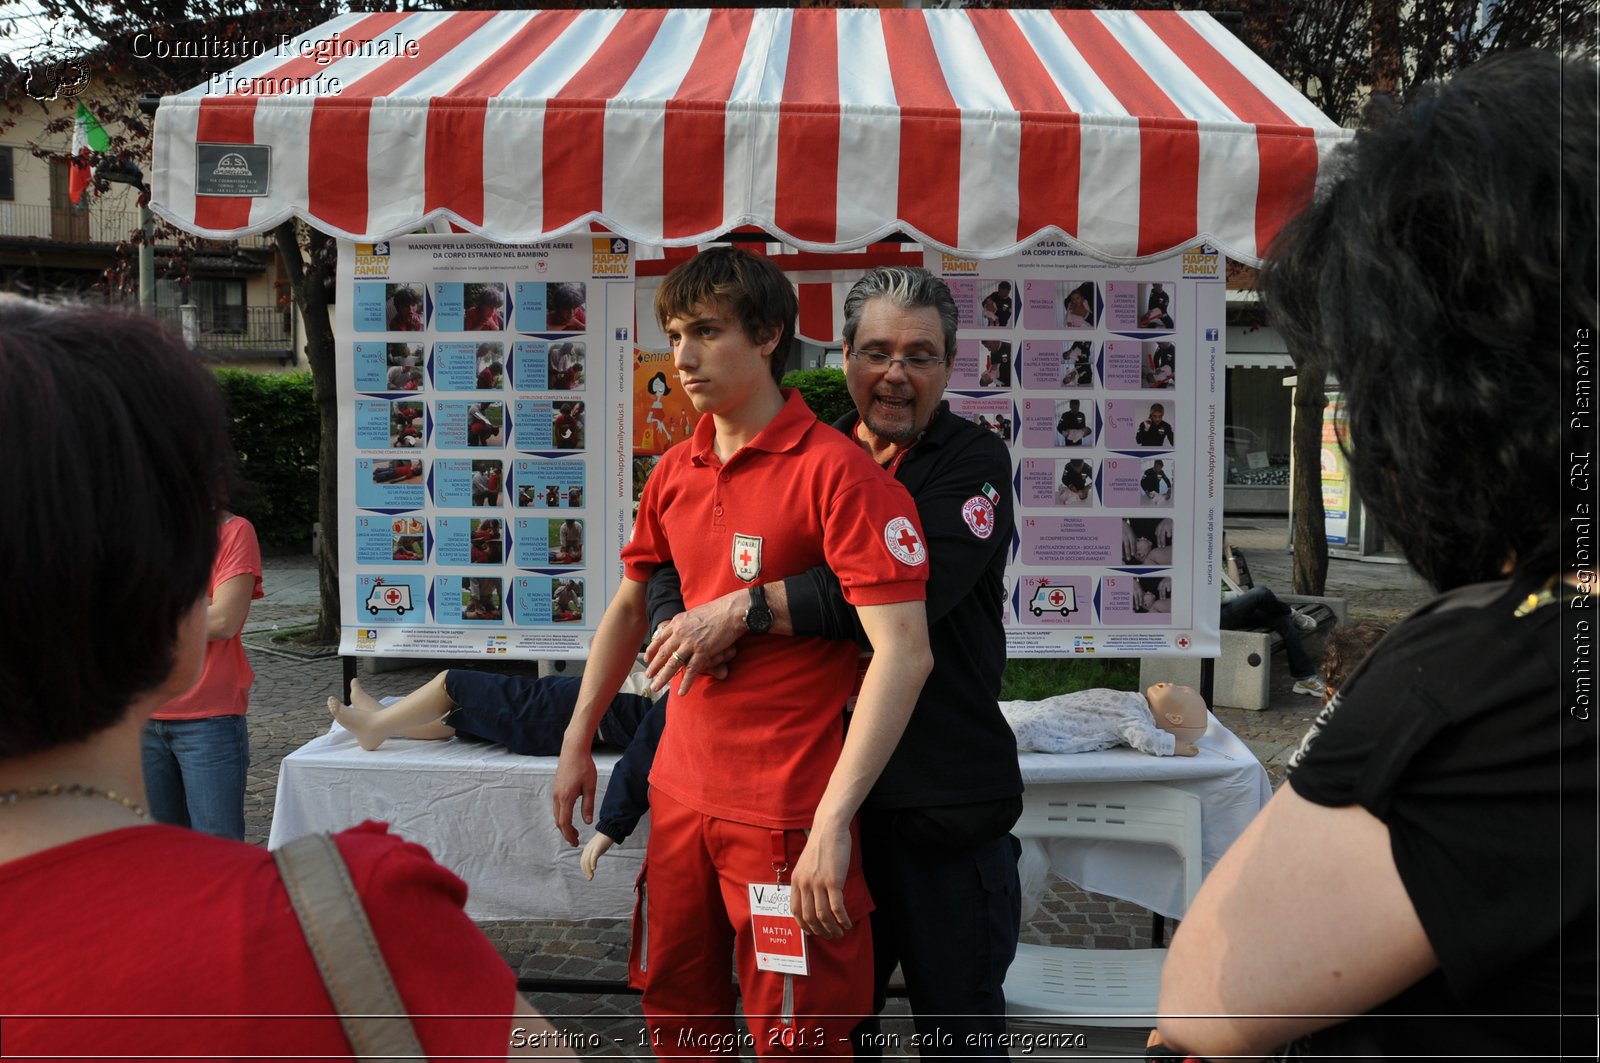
[905, 542]
[978, 512]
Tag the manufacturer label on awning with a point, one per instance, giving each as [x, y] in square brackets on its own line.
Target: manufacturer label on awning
[232, 169]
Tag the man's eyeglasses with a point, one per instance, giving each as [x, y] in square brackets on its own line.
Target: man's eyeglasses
[913, 363]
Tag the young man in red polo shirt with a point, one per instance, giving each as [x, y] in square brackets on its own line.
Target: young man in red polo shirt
[755, 784]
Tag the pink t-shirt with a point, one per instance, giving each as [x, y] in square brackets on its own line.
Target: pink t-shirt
[224, 686]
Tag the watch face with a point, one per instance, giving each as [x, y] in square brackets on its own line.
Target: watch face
[758, 618]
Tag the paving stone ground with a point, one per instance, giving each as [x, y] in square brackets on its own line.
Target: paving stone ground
[287, 710]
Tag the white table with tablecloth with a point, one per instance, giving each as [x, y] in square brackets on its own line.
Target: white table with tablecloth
[1227, 778]
[485, 814]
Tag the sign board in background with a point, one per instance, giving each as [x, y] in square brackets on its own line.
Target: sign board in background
[484, 413]
[498, 421]
[1336, 493]
[1104, 381]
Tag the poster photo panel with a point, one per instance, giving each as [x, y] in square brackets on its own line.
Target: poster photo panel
[1105, 382]
[473, 376]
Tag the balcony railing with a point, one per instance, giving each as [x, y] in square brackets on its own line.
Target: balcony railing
[94, 225]
[237, 331]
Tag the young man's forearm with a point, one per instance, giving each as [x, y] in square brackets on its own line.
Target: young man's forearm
[616, 641]
[611, 655]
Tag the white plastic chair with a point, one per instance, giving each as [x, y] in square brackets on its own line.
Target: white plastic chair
[1101, 987]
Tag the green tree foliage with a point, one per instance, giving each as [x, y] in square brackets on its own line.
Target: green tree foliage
[274, 429]
[823, 390]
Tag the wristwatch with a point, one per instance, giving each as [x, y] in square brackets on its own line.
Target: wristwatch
[758, 618]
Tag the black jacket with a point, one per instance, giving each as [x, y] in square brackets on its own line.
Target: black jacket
[957, 748]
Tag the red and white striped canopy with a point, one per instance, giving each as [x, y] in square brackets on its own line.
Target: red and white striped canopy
[1131, 134]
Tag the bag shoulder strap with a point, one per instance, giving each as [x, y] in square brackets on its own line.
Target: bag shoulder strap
[336, 927]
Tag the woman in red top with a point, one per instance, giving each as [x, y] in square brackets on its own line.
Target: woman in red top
[179, 927]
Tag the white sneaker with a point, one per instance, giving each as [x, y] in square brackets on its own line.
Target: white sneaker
[1312, 685]
[1304, 621]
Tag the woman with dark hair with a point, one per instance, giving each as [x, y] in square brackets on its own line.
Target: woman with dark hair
[657, 387]
[1428, 868]
[110, 916]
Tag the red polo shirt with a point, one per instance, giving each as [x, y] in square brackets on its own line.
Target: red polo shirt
[759, 746]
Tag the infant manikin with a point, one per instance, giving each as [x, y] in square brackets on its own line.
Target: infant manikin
[1164, 721]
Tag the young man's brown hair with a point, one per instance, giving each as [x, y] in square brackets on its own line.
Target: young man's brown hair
[751, 288]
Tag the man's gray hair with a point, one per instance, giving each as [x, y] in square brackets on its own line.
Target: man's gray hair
[909, 288]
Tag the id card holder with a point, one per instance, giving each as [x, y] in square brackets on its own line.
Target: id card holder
[780, 944]
[779, 941]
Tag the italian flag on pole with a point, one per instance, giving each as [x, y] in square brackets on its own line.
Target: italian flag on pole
[87, 136]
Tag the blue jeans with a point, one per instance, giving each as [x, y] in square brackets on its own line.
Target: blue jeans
[194, 772]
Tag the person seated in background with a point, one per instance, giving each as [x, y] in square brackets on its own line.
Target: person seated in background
[1424, 884]
[1245, 606]
[116, 422]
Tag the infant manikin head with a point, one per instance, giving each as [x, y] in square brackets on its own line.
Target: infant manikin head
[1180, 711]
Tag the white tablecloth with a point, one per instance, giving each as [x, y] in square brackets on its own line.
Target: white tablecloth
[1229, 780]
[485, 814]
[482, 812]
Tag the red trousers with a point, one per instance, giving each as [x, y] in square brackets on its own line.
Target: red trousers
[694, 914]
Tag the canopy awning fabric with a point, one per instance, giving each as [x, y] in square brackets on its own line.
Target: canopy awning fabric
[1129, 134]
[821, 280]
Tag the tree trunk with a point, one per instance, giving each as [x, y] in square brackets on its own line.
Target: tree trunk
[310, 274]
[1310, 533]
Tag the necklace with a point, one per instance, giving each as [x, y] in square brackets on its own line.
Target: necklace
[11, 797]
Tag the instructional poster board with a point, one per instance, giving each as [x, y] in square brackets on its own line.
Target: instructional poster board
[485, 421]
[1104, 381]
